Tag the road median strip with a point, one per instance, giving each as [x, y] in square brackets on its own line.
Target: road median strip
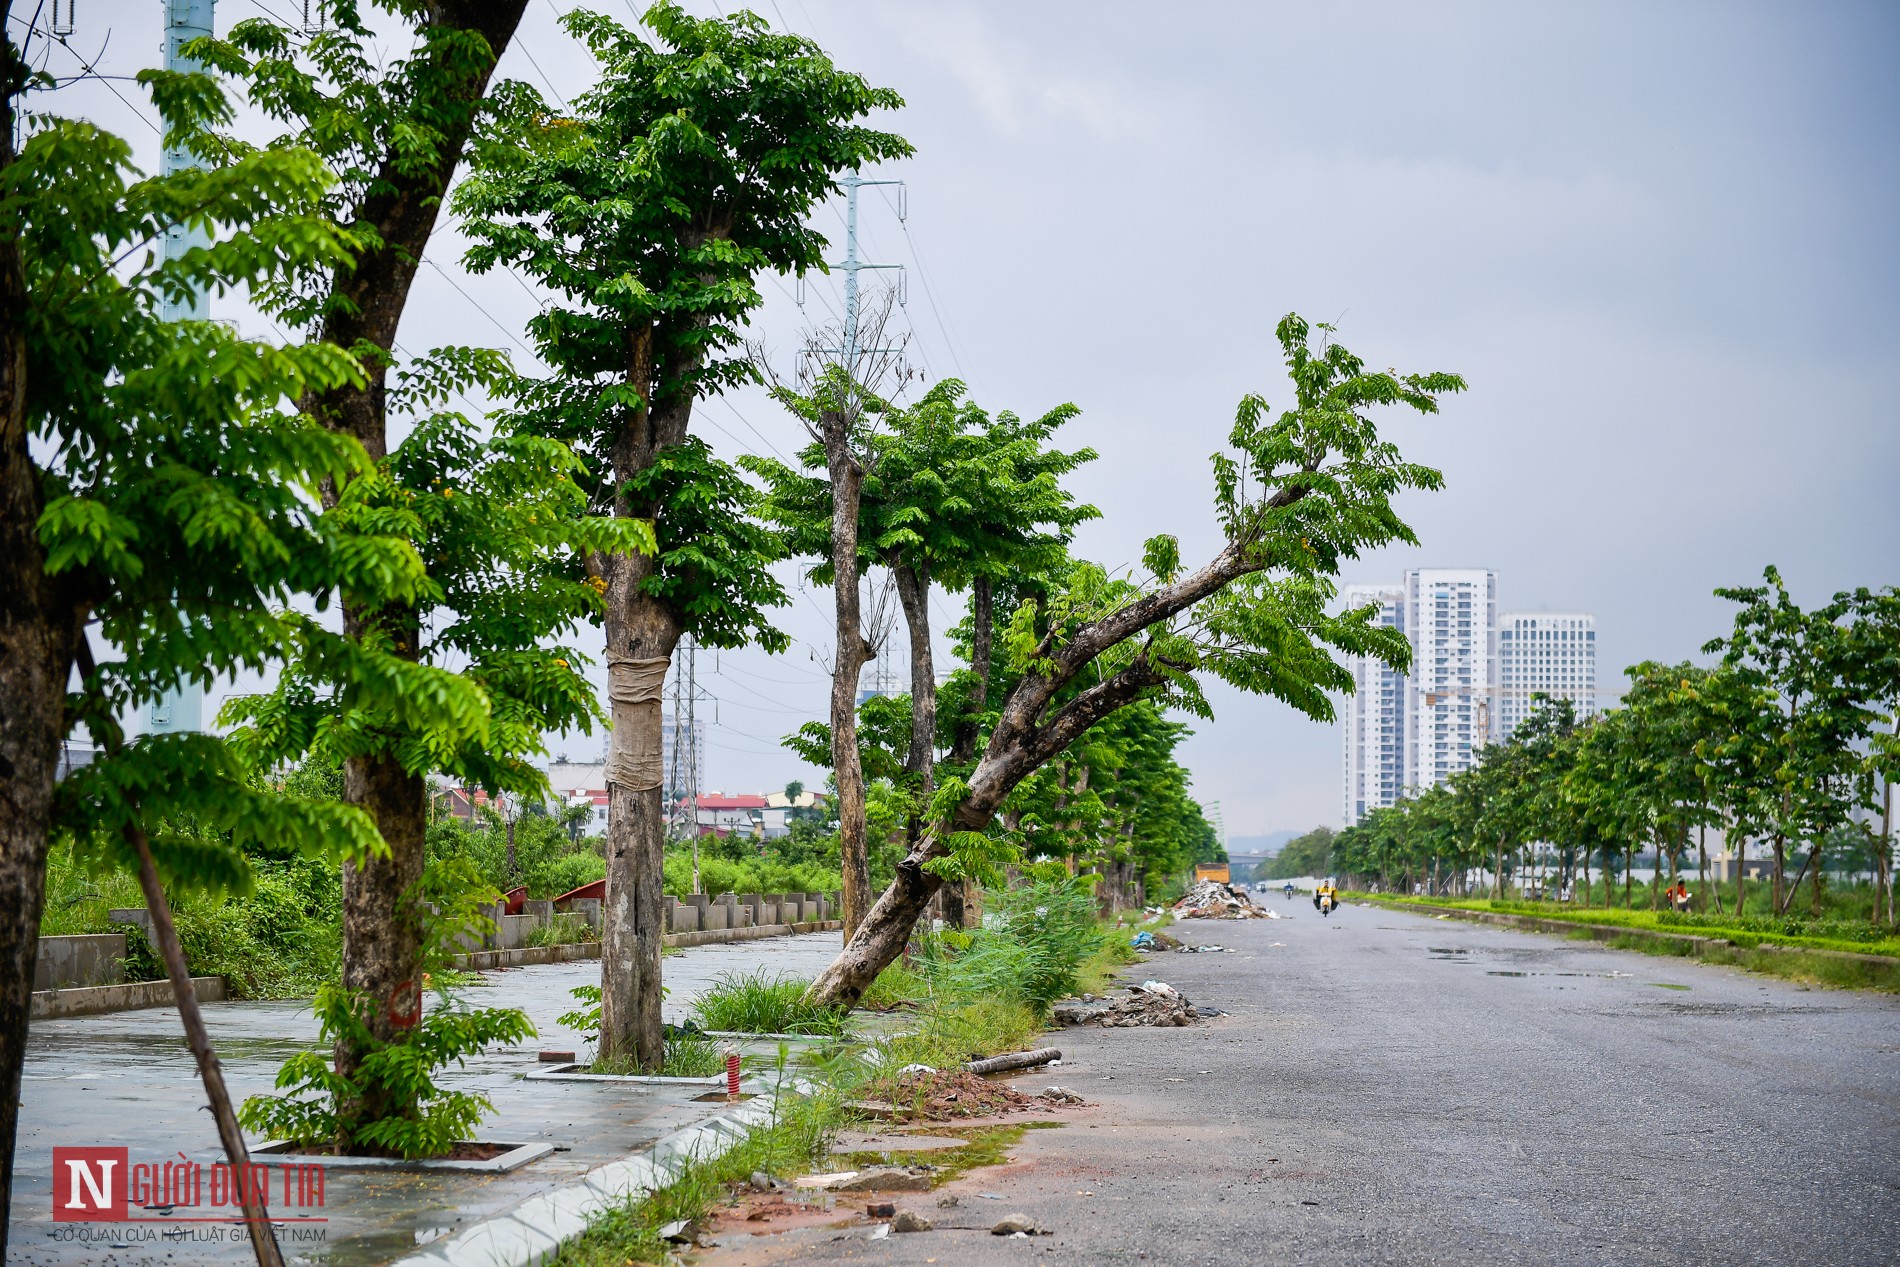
[1846, 968]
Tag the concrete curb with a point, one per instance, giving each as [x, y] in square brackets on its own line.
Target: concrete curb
[95, 1000]
[1698, 947]
[532, 1231]
[483, 960]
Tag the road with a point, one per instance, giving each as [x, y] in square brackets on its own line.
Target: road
[1394, 1089]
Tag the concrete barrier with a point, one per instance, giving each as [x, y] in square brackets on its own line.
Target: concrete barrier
[125, 997]
[80, 959]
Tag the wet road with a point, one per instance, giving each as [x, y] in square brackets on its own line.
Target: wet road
[1394, 1089]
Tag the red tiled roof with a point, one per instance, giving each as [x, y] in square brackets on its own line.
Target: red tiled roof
[732, 802]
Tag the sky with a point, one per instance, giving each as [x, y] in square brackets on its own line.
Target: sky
[1657, 240]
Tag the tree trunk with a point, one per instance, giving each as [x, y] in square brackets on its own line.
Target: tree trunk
[1741, 875]
[253, 1198]
[1629, 866]
[40, 632]
[1781, 853]
[642, 633]
[852, 653]
[913, 592]
[1886, 845]
[381, 939]
[382, 930]
[1497, 878]
[957, 907]
[1702, 865]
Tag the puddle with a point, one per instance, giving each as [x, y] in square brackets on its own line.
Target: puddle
[977, 1146]
[1606, 976]
[1668, 985]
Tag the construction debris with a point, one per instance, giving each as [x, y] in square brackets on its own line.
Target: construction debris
[1015, 1060]
[1150, 1003]
[1061, 1095]
[1210, 899]
[1015, 1225]
[906, 1221]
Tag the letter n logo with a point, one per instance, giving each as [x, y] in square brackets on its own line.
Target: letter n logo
[89, 1185]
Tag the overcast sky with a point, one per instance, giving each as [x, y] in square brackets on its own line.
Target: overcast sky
[1658, 240]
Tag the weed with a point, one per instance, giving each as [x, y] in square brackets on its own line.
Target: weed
[764, 1003]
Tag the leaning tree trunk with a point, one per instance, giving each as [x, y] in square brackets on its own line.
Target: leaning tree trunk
[853, 652]
[253, 1199]
[39, 634]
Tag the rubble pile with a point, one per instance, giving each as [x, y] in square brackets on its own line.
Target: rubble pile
[1210, 899]
[1151, 1003]
[937, 1094]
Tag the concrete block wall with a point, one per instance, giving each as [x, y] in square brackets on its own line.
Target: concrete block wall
[80, 960]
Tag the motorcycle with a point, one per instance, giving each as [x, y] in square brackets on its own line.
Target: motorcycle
[1325, 902]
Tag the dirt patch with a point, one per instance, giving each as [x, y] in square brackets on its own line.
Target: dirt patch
[945, 1095]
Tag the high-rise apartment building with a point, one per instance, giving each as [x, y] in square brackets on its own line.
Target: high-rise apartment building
[1544, 653]
[1450, 614]
[1374, 712]
[1474, 676]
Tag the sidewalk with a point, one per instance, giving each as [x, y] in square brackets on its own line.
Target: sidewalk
[127, 1080]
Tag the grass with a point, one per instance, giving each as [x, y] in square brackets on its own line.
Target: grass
[1812, 960]
[764, 1003]
[685, 1056]
[562, 929]
[962, 999]
[1747, 931]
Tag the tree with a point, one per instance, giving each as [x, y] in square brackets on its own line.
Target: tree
[1310, 488]
[168, 503]
[689, 169]
[949, 497]
[1310, 854]
[1874, 658]
[1806, 659]
[393, 133]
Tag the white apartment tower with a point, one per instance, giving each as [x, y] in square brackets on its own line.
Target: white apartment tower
[1544, 653]
[1374, 712]
[1474, 676]
[1451, 614]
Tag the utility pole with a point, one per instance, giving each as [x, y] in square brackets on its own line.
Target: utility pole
[185, 21]
[684, 771]
[851, 266]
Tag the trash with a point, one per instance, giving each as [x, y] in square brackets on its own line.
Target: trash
[879, 1232]
[675, 1232]
[949, 1094]
[1142, 941]
[886, 1179]
[991, 1196]
[1014, 1225]
[916, 1069]
[906, 1221]
[1061, 1095]
[880, 1209]
[825, 1181]
[762, 1182]
[1151, 1003]
[557, 1057]
[1210, 899]
[1071, 1013]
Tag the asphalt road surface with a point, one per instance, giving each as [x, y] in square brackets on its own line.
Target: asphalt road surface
[1394, 1089]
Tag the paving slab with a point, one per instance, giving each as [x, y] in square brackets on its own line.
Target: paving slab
[126, 1080]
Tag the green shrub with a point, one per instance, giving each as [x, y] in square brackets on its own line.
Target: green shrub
[1031, 947]
[746, 875]
[563, 929]
[761, 1003]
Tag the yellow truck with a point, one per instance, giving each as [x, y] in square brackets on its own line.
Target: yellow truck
[1212, 871]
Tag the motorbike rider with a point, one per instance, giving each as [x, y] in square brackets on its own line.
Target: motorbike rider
[1327, 890]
